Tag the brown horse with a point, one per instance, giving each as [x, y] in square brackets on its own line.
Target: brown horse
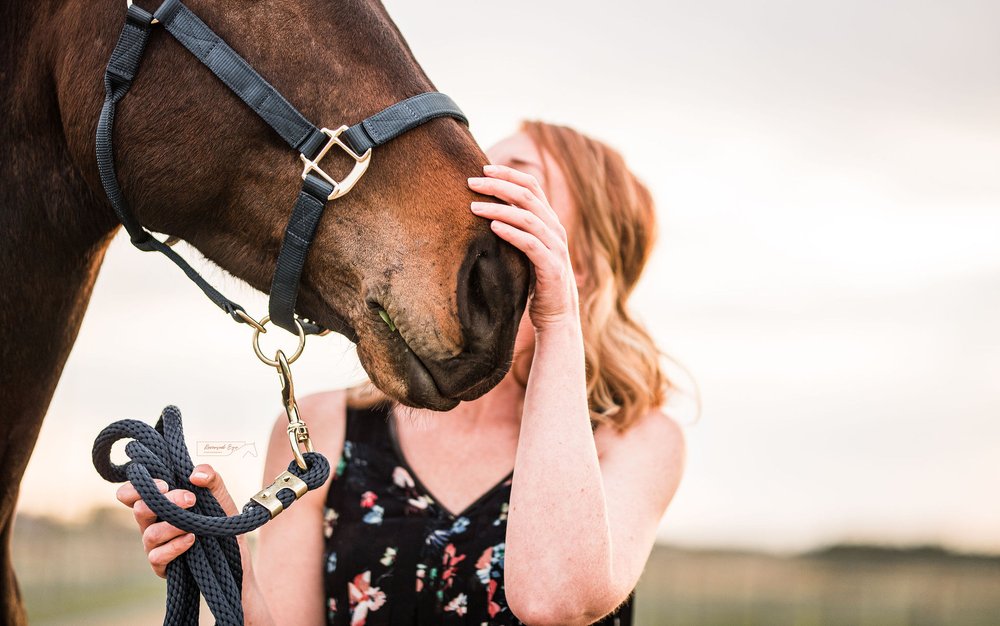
[196, 163]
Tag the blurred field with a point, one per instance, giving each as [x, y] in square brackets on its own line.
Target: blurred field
[95, 573]
[842, 585]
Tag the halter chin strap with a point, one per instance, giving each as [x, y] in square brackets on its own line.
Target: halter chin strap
[311, 142]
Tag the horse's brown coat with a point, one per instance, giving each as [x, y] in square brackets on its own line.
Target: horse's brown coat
[196, 163]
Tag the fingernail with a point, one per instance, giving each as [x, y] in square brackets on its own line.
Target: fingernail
[475, 208]
[474, 181]
[189, 498]
[189, 537]
[489, 169]
[199, 476]
[162, 486]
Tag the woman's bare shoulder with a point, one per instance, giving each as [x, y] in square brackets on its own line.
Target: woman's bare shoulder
[325, 404]
[656, 433]
[650, 453]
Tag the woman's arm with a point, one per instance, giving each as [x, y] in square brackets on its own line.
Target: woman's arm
[584, 523]
[289, 563]
[580, 528]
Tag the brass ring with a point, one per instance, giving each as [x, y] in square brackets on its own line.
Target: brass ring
[274, 362]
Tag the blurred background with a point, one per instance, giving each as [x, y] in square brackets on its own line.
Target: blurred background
[828, 183]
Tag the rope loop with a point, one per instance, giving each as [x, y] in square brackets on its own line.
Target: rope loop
[212, 566]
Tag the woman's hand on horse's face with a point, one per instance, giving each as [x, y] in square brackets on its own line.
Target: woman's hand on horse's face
[163, 542]
[528, 222]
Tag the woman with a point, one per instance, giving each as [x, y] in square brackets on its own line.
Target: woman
[424, 522]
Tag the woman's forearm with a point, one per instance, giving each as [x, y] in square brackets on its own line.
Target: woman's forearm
[558, 558]
[557, 527]
[255, 609]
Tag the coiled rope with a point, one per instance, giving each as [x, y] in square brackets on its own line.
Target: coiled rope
[212, 566]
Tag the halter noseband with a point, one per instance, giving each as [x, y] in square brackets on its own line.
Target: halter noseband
[311, 142]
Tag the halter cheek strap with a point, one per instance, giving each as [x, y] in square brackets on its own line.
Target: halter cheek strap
[312, 143]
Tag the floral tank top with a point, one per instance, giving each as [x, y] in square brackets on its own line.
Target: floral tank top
[393, 556]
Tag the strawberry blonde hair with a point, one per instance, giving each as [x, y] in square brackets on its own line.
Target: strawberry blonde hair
[610, 243]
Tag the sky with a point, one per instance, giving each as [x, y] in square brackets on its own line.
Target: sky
[827, 178]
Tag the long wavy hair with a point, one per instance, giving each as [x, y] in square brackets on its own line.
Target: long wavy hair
[610, 242]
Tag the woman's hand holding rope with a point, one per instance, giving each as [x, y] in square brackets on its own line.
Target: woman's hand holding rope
[164, 542]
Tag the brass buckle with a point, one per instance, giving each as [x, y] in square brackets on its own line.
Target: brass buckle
[360, 163]
[298, 432]
[268, 496]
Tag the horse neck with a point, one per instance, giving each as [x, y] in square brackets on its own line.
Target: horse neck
[55, 231]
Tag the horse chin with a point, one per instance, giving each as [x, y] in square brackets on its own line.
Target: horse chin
[397, 370]
[403, 374]
[483, 386]
[422, 391]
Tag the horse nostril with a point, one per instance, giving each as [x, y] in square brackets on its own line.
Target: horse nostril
[491, 291]
[477, 291]
[481, 288]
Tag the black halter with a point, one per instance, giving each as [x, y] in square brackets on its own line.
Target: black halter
[313, 143]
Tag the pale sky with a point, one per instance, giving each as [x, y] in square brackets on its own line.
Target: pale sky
[828, 182]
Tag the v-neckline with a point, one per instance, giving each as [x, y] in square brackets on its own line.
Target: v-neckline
[398, 449]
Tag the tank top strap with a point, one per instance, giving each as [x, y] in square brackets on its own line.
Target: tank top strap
[369, 424]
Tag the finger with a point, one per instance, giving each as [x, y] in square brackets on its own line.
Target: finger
[523, 220]
[128, 496]
[161, 556]
[205, 476]
[523, 179]
[517, 177]
[145, 516]
[546, 265]
[158, 534]
[517, 195]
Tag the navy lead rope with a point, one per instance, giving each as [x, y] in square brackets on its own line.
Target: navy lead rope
[212, 565]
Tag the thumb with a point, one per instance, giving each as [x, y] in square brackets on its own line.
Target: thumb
[206, 476]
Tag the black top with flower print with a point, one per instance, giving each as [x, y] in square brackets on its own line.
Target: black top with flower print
[394, 556]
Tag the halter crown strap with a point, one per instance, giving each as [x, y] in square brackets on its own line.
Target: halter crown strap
[395, 120]
[297, 131]
[233, 70]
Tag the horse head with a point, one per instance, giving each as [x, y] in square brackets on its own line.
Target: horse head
[194, 162]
